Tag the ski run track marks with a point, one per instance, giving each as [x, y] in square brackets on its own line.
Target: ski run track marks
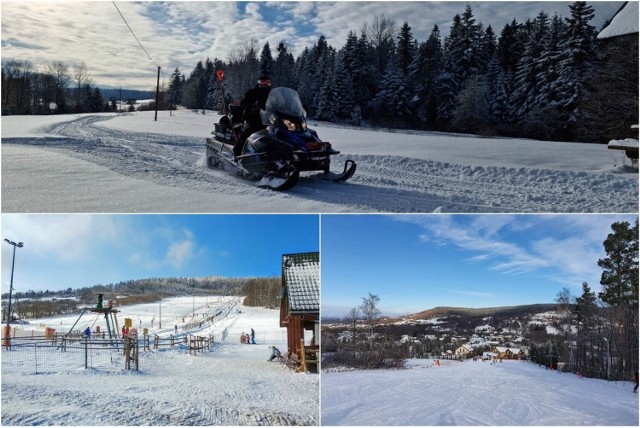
[129, 163]
[232, 384]
[474, 393]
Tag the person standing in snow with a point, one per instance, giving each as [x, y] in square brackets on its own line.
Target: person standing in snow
[87, 332]
[253, 337]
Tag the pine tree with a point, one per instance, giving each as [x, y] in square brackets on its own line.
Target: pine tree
[283, 67]
[528, 72]
[620, 266]
[175, 89]
[266, 61]
[405, 49]
[577, 59]
[328, 98]
[425, 70]
[347, 109]
[393, 99]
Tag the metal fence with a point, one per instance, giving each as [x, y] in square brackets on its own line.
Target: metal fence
[46, 356]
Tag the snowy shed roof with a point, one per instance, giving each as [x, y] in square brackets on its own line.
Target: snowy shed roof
[624, 22]
[301, 276]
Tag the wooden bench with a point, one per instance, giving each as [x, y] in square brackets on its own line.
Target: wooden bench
[629, 146]
[291, 360]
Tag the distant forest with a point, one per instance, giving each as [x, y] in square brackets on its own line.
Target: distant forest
[547, 78]
[34, 304]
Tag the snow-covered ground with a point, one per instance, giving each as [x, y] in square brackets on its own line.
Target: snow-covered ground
[131, 163]
[474, 393]
[233, 384]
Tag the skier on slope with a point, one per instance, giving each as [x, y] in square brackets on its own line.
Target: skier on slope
[253, 101]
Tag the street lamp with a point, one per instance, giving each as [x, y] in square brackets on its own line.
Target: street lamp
[608, 357]
[13, 263]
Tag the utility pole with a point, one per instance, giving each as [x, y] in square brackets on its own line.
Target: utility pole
[13, 263]
[157, 93]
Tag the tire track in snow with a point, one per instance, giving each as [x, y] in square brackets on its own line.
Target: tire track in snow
[381, 183]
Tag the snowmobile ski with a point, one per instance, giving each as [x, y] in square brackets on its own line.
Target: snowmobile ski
[280, 184]
[349, 170]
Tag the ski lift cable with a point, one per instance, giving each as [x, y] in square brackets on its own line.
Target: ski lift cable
[134, 36]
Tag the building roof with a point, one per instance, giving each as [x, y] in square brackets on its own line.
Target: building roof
[301, 279]
[624, 22]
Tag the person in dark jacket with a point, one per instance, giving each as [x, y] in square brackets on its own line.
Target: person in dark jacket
[275, 353]
[252, 102]
[87, 332]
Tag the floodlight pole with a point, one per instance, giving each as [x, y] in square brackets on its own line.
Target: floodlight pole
[13, 263]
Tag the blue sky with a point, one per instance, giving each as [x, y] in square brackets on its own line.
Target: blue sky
[417, 262]
[62, 251]
[180, 33]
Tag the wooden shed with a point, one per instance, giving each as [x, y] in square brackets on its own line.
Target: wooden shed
[300, 307]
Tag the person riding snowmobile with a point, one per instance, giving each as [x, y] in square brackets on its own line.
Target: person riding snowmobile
[252, 102]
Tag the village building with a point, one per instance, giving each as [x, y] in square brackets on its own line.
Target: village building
[300, 307]
[506, 353]
[463, 351]
[619, 43]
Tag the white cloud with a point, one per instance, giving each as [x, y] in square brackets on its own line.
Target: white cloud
[567, 245]
[180, 33]
[179, 253]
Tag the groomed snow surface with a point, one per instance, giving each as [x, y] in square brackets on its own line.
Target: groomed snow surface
[130, 163]
[474, 393]
[233, 384]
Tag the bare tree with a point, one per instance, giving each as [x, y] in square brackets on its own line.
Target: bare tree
[60, 72]
[381, 33]
[80, 77]
[369, 308]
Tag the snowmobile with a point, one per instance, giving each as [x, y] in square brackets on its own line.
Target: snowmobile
[275, 156]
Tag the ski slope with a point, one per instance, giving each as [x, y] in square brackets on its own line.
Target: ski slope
[233, 384]
[132, 163]
[474, 393]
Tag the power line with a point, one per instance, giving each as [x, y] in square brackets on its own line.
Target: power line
[134, 36]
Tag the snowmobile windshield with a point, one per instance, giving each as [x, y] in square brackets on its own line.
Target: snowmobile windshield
[282, 103]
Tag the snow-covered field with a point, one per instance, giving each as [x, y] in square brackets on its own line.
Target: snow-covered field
[474, 393]
[233, 384]
[131, 163]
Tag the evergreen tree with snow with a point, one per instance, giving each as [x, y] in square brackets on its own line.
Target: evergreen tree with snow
[266, 61]
[328, 97]
[424, 73]
[405, 49]
[393, 99]
[175, 89]
[283, 67]
[362, 72]
[576, 62]
[528, 70]
[347, 108]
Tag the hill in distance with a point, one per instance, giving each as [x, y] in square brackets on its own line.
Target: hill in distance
[483, 312]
